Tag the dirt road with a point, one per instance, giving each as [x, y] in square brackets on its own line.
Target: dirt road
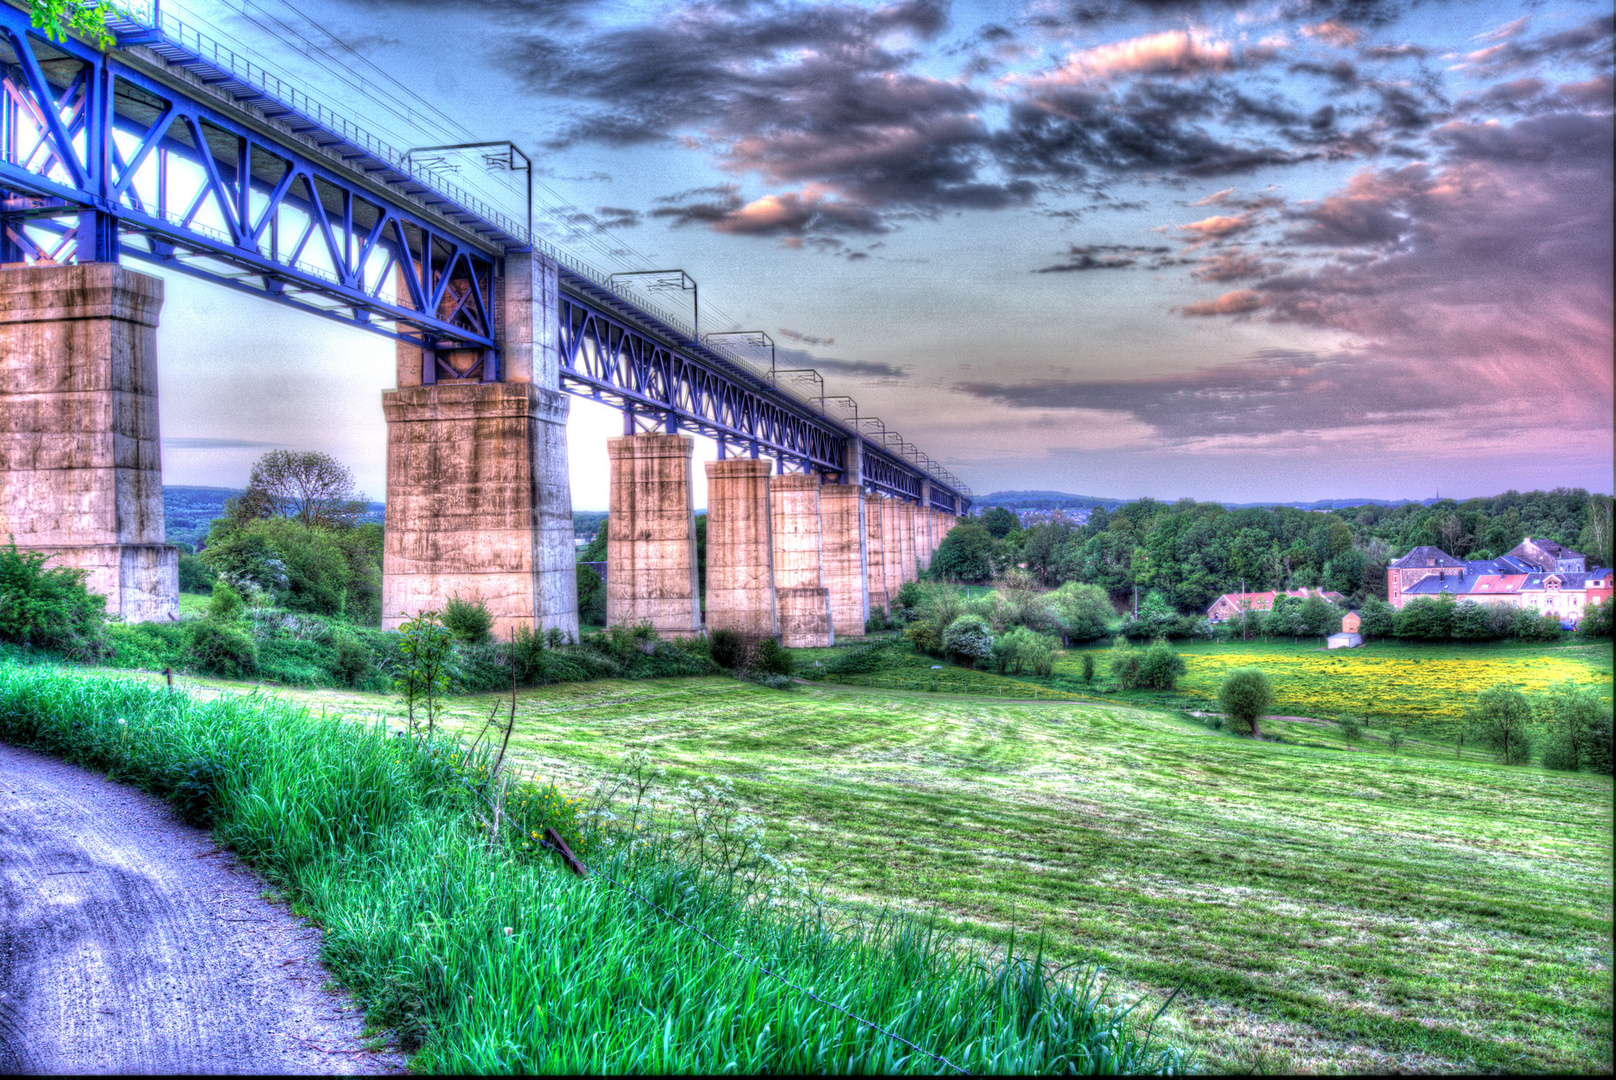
[130, 944]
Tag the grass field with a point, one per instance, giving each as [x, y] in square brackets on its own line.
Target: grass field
[1423, 687]
[1319, 909]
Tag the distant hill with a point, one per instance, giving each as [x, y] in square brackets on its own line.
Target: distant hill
[1051, 500]
[1044, 500]
[189, 511]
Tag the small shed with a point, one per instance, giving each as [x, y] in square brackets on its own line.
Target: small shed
[1350, 623]
[1344, 641]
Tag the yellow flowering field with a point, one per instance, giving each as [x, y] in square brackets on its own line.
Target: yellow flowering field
[1424, 686]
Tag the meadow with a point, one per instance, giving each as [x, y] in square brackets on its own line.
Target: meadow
[1415, 686]
[1317, 907]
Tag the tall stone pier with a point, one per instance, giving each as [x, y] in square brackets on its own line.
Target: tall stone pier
[740, 548]
[875, 550]
[801, 599]
[909, 558]
[479, 502]
[80, 473]
[843, 566]
[892, 545]
[651, 572]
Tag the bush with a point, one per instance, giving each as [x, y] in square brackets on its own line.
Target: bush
[1576, 728]
[728, 649]
[1596, 621]
[771, 658]
[354, 663]
[925, 638]
[775, 681]
[225, 651]
[1088, 667]
[1244, 698]
[226, 605]
[862, 661]
[48, 609]
[1024, 650]
[968, 640]
[1161, 667]
[1351, 729]
[1084, 611]
[468, 620]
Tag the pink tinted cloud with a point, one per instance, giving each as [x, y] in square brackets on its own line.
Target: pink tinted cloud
[1237, 302]
[1172, 52]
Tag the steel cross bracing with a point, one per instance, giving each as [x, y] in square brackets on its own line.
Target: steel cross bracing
[171, 150]
[149, 167]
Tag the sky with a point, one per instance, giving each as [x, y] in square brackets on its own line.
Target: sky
[1228, 250]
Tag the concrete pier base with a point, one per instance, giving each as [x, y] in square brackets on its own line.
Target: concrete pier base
[80, 474]
[740, 548]
[892, 546]
[842, 561]
[801, 599]
[651, 572]
[479, 504]
[875, 552]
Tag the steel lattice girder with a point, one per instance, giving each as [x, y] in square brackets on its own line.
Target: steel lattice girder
[275, 207]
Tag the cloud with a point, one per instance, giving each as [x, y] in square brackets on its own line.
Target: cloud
[1238, 302]
[1107, 257]
[1233, 264]
[1588, 44]
[815, 98]
[868, 370]
[1172, 52]
[1219, 226]
[804, 339]
[616, 217]
[1334, 33]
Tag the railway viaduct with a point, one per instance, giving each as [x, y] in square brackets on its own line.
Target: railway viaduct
[174, 150]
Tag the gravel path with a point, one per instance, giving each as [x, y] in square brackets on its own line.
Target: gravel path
[129, 943]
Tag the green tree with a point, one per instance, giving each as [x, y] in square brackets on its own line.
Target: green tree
[469, 621]
[966, 554]
[1596, 621]
[426, 648]
[1084, 611]
[1500, 720]
[1160, 668]
[1245, 697]
[1576, 728]
[1319, 617]
[311, 487]
[1000, 522]
[57, 18]
[591, 596]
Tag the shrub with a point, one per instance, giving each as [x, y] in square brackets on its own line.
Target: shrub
[1023, 650]
[968, 639]
[771, 658]
[1088, 667]
[425, 673]
[354, 663]
[1576, 728]
[728, 649]
[861, 661]
[1160, 667]
[226, 605]
[925, 638]
[906, 605]
[1351, 729]
[1596, 621]
[775, 681]
[468, 620]
[48, 609]
[1084, 611]
[1244, 698]
[222, 650]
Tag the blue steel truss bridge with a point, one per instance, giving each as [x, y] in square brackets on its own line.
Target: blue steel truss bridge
[173, 149]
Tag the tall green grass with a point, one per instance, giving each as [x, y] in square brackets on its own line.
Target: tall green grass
[488, 961]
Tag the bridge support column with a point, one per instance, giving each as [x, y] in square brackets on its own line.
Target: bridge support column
[740, 548]
[843, 565]
[801, 599]
[902, 566]
[651, 572]
[875, 552]
[479, 504]
[80, 472]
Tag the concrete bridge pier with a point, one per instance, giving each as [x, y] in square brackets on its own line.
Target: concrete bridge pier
[479, 503]
[906, 541]
[802, 601]
[843, 565]
[875, 551]
[651, 571]
[81, 477]
[740, 548]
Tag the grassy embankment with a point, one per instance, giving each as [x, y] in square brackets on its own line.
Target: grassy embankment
[1322, 908]
[491, 959]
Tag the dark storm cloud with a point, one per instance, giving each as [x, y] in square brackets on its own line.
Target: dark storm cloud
[1107, 257]
[852, 369]
[1079, 14]
[815, 96]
